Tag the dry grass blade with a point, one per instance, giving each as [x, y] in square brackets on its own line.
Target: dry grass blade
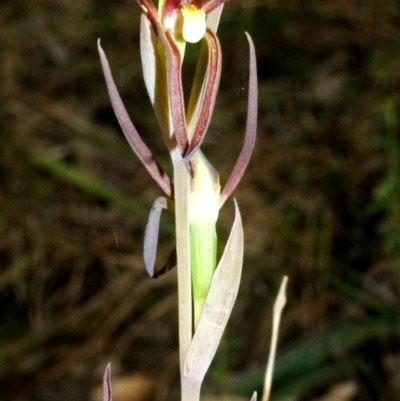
[254, 396]
[280, 303]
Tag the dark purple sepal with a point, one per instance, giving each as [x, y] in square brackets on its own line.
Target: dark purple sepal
[174, 77]
[251, 130]
[107, 396]
[208, 94]
[132, 136]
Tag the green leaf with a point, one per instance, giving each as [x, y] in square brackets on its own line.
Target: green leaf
[217, 309]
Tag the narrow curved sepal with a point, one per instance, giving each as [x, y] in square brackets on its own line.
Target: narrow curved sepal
[210, 5]
[251, 130]
[174, 77]
[155, 78]
[213, 17]
[135, 141]
[151, 239]
[107, 395]
[149, 10]
[218, 306]
[208, 93]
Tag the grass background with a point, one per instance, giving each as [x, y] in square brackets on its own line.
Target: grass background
[320, 202]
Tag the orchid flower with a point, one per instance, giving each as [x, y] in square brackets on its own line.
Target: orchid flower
[206, 291]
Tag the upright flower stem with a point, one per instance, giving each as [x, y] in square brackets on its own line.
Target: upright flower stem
[182, 188]
[190, 390]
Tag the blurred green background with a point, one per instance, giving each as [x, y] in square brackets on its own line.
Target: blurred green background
[320, 202]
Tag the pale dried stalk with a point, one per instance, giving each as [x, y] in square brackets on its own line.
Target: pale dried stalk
[182, 188]
[280, 303]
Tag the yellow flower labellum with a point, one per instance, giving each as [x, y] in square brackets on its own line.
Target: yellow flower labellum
[194, 23]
